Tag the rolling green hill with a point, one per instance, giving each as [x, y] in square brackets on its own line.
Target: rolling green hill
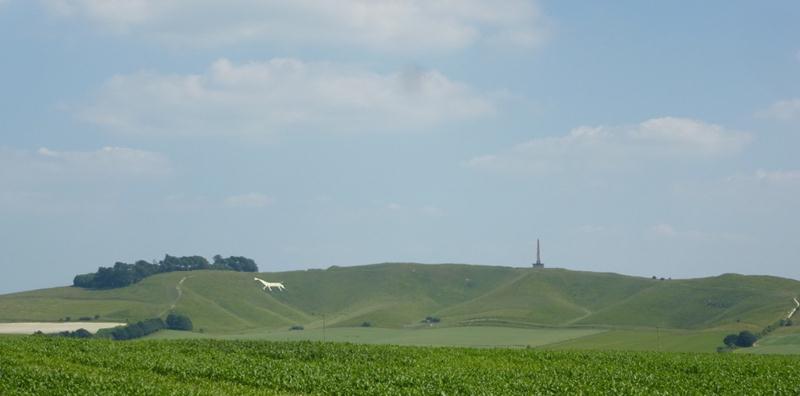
[401, 295]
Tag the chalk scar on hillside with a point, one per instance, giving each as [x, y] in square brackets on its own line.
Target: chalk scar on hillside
[180, 294]
[270, 285]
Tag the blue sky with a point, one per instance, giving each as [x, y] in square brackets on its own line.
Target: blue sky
[634, 137]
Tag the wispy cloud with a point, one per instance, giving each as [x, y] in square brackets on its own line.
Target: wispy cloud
[669, 231]
[605, 148]
[250, 200]
[784, 110]
[107, 163]
[282, 95]
[381, 25]
[774, 177]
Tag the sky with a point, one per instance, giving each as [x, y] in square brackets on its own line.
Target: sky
[643, 138]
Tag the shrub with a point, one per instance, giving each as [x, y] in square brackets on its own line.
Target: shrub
[296, 327]
[137, 330]
[746, 339]
[85, 318]
[179, 322]
[366, 324]
[431, 319]
[82, 333]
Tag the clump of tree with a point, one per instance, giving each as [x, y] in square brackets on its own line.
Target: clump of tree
[296, 327]
[431, 319]
[124, 274]
[135, 330]
[179, 322]
[366, 324]
[744, 339]
[80, 333]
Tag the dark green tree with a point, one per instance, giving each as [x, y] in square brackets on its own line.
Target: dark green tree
[746, 339]
[731, 340]
[179, 322]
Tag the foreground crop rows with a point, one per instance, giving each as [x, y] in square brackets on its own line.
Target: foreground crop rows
[41, 365]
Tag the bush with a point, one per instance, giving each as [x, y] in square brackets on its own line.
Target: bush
[296, 327]
[746, 339]
[85, 318]
[431, 319]
[137, 330]
[80, 333]
[366, 324]
[179, 322]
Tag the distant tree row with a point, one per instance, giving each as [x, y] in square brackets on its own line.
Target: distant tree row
[123, 274]
[80, 333]
[132, 331]
[138, 329]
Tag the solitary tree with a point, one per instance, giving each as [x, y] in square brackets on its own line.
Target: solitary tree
[179, 322]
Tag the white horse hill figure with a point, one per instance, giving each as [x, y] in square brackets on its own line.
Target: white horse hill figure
[270, 285]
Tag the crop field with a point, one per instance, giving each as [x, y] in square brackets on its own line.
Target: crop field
[481, 337]
[43, 365]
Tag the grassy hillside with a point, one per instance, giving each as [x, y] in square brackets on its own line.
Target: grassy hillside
[401, 295]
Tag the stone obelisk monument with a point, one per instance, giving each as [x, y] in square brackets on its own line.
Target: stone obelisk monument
[538, 263]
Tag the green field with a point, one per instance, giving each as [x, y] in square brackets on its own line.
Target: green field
[693, 314]
[450, 336]
[647, 340]
[783, 341]
[42, 365]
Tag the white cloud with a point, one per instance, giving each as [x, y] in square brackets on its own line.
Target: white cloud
[777, 177]
[668, 231]
[250, 200]
[433, 211]
[46, 165]
[279, 95]
[663, 230]
[591, 229]
[784, 110]
[384, 25]
[605, 148]
[412, 211]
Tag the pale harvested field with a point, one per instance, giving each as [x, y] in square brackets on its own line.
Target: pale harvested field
[45, 327]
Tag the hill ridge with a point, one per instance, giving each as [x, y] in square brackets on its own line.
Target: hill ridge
[399, 295]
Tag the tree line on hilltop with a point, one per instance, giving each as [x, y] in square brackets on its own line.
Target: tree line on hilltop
[123, 274]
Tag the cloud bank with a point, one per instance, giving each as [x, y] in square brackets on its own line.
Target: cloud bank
[383, 25]
[784, 110]
[281, 95]
[46, 165]
[604, 148]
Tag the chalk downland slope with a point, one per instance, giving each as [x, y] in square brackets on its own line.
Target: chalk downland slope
[401, 295]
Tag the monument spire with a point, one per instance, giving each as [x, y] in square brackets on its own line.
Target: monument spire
[538, 263]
